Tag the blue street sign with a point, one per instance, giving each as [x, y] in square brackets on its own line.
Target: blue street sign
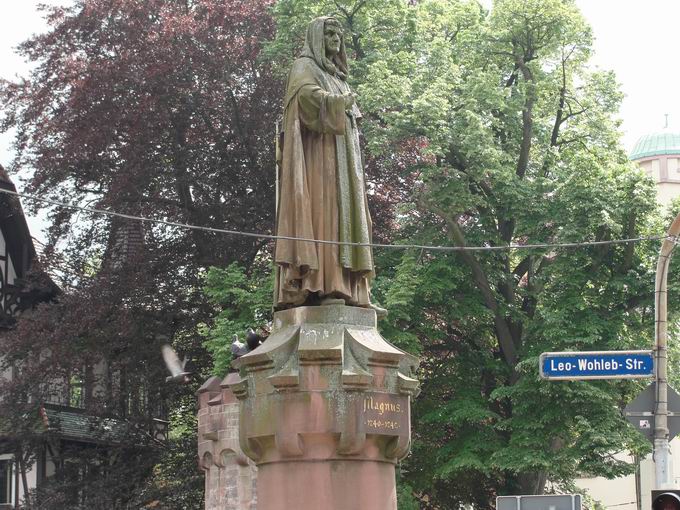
[597, 365]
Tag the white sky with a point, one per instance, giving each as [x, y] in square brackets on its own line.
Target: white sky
[20, 19]
[636, 39]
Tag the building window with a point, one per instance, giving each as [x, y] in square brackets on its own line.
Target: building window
[656, 172]
[673, 168]
[76, 397]
[5, 482]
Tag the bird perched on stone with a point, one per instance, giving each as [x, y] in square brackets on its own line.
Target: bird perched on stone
[253, 339]
[177, 369]
[238, 348]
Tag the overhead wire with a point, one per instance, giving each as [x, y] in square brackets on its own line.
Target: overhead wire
[188, 226]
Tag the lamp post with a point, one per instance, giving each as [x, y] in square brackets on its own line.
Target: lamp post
[662, 452]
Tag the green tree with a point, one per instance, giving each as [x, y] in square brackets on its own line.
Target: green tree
[496, 132]
[243, 299]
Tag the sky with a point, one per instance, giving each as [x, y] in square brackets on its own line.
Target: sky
[20, 19]
[636, 39]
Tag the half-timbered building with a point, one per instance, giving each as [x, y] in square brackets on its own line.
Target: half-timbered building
[22, 287]
[64, 414]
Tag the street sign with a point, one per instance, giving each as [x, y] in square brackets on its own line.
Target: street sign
[549, 502]
[640, 412]
[597, 365]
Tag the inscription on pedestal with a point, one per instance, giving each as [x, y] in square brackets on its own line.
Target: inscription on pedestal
[383, 413]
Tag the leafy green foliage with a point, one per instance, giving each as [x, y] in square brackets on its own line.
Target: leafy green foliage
[245, 300]
[405, 499]
[177, 482]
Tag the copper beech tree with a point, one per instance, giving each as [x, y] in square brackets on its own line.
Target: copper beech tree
[161, 109]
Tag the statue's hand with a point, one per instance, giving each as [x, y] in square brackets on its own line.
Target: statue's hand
[350, 99]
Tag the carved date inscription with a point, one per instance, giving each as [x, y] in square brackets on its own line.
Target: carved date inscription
[383, 413]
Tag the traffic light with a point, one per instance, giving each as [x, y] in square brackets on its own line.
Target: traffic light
[666, 500]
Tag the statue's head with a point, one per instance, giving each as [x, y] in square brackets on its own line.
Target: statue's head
[332, 37]
[325, 44]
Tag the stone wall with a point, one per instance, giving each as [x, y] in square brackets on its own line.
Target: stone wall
[230, 477]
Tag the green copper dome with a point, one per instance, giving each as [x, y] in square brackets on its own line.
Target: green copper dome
[656, 144]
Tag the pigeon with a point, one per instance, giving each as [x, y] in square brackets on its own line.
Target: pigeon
[253, 339]
[238, 349]
[177, 369]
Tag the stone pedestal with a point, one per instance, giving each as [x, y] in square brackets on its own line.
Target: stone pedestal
[229, 475]
[325, 411]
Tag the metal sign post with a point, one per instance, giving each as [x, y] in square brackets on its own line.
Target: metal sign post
[662, 451]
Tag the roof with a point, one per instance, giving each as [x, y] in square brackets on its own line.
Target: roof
[76, 425]
[656, 144]
[4, 176]
[14, 227]
[126, 242]
[33, 284]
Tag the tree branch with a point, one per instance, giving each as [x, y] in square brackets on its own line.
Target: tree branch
[503, 334]
[527, 120]
[522, 268]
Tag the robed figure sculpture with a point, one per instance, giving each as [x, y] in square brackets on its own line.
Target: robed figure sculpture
[322, 194]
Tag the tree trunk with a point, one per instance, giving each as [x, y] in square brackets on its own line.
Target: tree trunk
[531, 483]
[24, 480]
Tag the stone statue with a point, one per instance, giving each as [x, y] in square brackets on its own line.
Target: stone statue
[325, 400]
[322, 191]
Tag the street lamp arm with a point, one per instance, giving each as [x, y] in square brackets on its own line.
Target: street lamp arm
[662, 457]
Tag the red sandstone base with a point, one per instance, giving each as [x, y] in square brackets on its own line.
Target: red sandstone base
[229, 475]
[325, 411]
[327, 485]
